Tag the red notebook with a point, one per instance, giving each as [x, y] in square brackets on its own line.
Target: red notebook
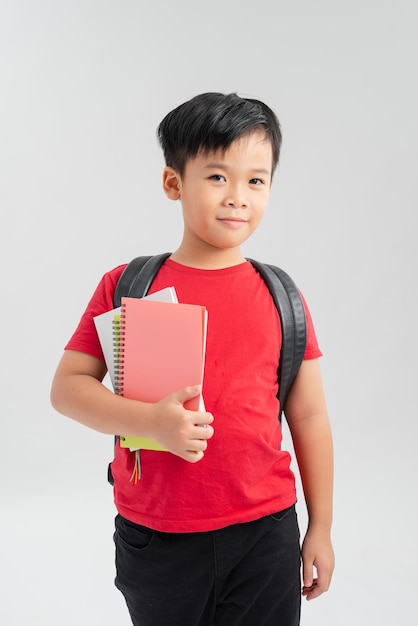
[162, 349]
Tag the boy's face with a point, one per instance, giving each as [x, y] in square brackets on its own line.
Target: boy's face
[223, 195]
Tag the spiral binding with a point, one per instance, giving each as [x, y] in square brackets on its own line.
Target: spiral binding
[118, 331]
[118, 350]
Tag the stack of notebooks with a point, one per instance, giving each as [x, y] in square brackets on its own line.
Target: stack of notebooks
[153, 346]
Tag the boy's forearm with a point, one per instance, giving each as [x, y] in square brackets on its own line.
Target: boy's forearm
[312, 443]
[88, 401]
[83, 398]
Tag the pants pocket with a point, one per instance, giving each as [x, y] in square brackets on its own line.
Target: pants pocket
[286, 524]
[134, 536]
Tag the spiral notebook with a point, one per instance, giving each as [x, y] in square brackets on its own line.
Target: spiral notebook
[161, 350]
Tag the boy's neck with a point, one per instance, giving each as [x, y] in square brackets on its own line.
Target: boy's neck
[218, 259]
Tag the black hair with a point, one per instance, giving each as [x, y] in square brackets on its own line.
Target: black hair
[212, 121]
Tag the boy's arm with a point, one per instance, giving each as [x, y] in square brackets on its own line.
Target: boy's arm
[307, 416]
[77, 392]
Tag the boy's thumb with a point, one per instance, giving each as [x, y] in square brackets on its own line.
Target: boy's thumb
[187, 393]
[307, 575]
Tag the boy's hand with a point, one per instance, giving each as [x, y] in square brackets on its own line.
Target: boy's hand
[317, 552]
[184, 433]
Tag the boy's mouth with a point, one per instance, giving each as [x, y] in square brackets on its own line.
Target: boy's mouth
[233, 222]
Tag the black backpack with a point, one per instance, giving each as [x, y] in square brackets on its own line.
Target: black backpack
[138, 275]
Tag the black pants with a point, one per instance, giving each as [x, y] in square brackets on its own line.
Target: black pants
[243, 575]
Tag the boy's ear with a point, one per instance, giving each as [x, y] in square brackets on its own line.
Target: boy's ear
[171, 183]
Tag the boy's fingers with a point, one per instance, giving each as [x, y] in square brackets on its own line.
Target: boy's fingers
[318, 585]
[205, 431]
[193, 456]
[312, 592]
[309, 588]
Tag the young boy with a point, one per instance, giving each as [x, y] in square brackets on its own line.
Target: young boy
[209, 533]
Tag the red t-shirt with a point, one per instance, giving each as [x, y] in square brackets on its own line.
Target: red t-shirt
[244, 474]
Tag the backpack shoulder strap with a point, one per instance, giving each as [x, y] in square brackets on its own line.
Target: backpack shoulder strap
[137, 277]
[289, 304]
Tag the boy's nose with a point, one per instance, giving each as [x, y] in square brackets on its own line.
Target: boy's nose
[237, 204]
[236, 200]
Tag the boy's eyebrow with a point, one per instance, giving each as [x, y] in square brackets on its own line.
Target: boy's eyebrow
[256, 170]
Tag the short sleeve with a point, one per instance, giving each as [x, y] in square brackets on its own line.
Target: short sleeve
[312, 348]
[85, 338]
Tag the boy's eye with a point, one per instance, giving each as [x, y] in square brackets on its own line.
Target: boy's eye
[217, 177]
[256, 181]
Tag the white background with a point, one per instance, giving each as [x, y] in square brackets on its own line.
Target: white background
[83, 87]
